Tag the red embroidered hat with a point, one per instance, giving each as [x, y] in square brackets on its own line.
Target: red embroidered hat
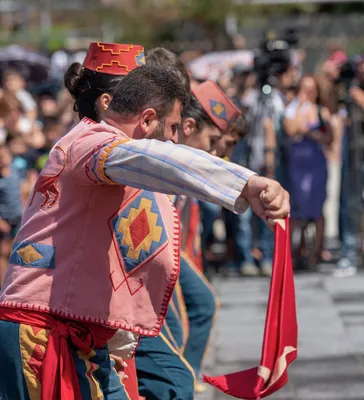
[218, 106]
[114, 59]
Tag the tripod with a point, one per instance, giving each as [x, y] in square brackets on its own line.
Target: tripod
[355, 184]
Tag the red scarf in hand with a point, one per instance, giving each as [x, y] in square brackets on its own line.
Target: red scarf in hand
[280, 335]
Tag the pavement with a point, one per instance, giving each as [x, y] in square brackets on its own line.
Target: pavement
[330, 363]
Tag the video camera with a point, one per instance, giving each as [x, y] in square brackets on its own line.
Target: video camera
[273, 58]
[348, 73]
[349, 77]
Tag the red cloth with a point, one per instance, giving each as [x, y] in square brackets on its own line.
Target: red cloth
[280, 335]
[193, 241]
[131, 384]
[59, 378]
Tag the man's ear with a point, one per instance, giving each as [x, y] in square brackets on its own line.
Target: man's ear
[148, 121]
[188, 126]
[104, 101]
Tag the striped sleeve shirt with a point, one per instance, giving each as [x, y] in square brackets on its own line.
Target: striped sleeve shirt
[175, 169]
[164, 167]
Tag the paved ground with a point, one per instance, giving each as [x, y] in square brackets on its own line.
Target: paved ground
[330, 365]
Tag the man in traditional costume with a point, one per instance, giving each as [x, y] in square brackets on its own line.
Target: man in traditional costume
[98, 249]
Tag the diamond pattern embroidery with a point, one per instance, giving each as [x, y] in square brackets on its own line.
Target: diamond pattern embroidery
[139, 230]
[29, 254]
[218, 109]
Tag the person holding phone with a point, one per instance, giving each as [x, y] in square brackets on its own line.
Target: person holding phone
[308, 128]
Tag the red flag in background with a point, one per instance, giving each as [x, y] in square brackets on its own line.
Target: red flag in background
[280, 334]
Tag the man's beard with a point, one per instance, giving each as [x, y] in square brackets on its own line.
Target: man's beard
[158, 132]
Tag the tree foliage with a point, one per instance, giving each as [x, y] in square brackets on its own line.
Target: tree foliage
[153, 21]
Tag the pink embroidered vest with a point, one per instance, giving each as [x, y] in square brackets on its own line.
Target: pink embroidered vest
[93, 251]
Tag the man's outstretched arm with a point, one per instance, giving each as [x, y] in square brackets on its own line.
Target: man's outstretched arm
[102, 157]
[175, 169]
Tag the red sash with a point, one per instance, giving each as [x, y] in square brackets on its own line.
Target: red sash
[131, 384]
[280, 335]
[59, 378]
[193, 242]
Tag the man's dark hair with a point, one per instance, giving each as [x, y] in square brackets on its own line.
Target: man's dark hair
[239, 126]
[194, 110]
[86, 86]
[163, 58]
[148, 87]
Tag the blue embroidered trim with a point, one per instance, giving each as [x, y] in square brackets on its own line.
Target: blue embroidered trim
[45, 251]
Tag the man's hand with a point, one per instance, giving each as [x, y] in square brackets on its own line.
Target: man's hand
[267, 198]
[120, 366]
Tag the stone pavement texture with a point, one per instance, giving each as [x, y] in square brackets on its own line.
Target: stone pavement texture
[330, 364]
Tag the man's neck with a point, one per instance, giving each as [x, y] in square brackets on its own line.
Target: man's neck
[126, 126]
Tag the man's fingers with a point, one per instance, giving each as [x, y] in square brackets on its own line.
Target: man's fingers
[274, 197]
[282, 212]
[119, 362]
[268, 199]
[257, 206]
[268, 195]
[276, 204]
[272, 190]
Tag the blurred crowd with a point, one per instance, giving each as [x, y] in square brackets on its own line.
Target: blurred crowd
[30, 124]
[296, 131]
[299, 127]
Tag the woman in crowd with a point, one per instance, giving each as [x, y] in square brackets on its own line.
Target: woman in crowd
[307, 125]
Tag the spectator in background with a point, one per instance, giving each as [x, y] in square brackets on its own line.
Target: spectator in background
[14, 121]
[225, 145]
[307, 125]
[15, 84]
[244, 82]
[12, 117]
[48, 106]
[357, 91]
[36, 158]
[286, 79]
[347, 264]
[330, 94]
[60, 61]
[239, 235]
[67, 115]
[10, 206]
[328, 84]
[18, 149]
[28, 176]
[267, 110]
[268, 106]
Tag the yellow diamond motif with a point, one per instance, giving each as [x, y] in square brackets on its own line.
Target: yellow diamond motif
[29, 254]
[155, 231]
[218, 108]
